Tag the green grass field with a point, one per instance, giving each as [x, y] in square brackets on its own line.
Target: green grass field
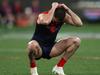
[14, 60]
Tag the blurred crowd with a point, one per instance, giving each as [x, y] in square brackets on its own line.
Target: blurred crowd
[13, 14]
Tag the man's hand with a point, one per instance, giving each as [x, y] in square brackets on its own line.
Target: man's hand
[55, 4]
[63, 5]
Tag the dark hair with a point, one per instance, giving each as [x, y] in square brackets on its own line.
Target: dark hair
[60, 13]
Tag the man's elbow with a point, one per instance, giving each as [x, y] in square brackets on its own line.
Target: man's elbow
[79, 24]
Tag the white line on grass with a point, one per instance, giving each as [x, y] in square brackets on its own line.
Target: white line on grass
[13, 50]
[60, 35]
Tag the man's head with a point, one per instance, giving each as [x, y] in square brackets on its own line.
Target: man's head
[60, 13]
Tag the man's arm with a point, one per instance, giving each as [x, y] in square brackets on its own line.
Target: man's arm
[71, 17]
[46, 18]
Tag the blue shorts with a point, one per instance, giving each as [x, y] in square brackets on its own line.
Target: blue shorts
[46, 49]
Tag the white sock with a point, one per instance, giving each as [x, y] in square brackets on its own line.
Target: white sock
[34, 71]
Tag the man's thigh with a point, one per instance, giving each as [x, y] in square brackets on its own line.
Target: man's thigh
[60, 47]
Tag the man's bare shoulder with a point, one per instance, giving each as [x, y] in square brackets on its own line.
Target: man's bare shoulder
[40, 16]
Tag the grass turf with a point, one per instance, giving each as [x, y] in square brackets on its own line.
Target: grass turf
[14, 60]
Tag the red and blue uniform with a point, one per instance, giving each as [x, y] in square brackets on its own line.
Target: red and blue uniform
[46, 35]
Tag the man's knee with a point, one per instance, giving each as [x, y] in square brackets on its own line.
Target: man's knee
[34, 49]
[71, 40]
[32, 45]
[76, 41]
[74, 44]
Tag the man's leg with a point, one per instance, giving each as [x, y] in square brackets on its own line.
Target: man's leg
[34, 52]
[68, 47]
